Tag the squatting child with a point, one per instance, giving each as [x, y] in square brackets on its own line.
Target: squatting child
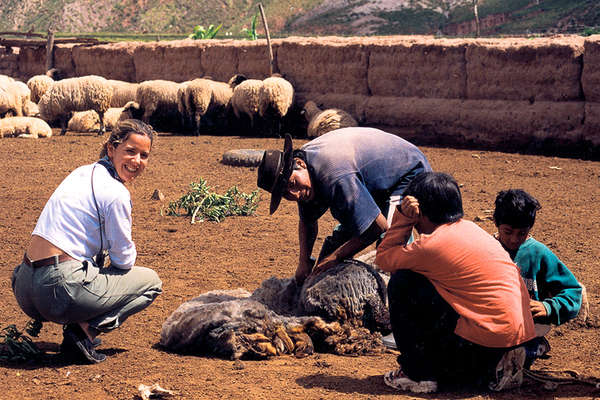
[555, 292]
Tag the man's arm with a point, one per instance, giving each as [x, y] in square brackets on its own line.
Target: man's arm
[307, 234]
[354, 245]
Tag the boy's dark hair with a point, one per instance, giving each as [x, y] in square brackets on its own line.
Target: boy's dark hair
[515, 207]
[438, 195]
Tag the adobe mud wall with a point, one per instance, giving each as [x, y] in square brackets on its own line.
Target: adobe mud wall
[539, 94]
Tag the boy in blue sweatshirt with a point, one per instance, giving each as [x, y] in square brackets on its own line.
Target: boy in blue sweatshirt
[555, 292]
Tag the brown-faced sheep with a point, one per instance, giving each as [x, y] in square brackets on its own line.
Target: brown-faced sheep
[323, 121]
[76, 94]
[25, 127]
[245, 99]
[38, 85]
[206, 104]
[275, 98]
[341, 311]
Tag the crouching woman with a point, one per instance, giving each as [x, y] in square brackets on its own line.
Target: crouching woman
[457, 302]
[62, 276]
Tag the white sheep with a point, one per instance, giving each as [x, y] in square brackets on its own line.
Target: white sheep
[31, 109]
[323, 121]
[38, 85]
[76, 94]
[156, 104]
[88, 121]
[123, 92]
[245, 99]
[4, 79]
[24, 127]
[14, 95]
[84, 121]
[275, 99]
[206, 103]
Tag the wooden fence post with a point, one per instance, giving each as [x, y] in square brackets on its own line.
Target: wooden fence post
[50, 51]
[264, 20]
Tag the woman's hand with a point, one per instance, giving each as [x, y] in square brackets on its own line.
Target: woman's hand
[410, 207]
[537, 309]
[325, 264]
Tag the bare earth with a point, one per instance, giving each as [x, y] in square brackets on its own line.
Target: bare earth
[243, 251]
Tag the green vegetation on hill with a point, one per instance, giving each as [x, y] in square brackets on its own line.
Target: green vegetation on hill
[171, 19]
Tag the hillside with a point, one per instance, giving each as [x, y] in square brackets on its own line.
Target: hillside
[303, 17]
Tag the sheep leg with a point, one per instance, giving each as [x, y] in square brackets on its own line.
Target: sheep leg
[102, 129]
[197, 123]
[63, 124]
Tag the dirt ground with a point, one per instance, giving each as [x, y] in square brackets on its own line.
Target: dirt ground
[243, 251]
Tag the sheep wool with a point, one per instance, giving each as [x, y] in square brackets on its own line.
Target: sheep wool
[323, 121]
[123, 92]
[276, 96]
[156, 104]
[245, 99]
[205, 100]
[76, 94]
[38, 85]
[24, 127]
[84, 121]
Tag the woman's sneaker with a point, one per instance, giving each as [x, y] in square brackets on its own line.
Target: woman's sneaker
[75, 342]
[398, 380]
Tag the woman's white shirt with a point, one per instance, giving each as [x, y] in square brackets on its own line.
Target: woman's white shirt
[69, 219]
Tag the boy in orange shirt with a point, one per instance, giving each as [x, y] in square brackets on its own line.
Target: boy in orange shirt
[457, 301]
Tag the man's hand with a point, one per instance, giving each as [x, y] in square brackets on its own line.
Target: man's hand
[410, 207]
[303, 271]
[325, 264]
[537, 309]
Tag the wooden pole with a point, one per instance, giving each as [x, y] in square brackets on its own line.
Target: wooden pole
[50, 51]
[264, 20]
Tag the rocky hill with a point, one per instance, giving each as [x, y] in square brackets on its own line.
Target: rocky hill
[304, 17]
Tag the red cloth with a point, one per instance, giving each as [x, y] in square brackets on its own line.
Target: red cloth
[472, 272]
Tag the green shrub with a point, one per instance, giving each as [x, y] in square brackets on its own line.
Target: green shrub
[203, 204]
[250, 34]
[208, 33]
[16, 346]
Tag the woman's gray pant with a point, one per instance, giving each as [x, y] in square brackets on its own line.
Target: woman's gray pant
[74, 291]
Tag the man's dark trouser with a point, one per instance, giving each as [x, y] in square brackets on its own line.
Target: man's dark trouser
[423, 324]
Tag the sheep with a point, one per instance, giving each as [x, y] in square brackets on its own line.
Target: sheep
[341, 310]
[38, 85]
[5, 79]
[275, 98]
[156, 103]
[87, 121]
[76, 94]
[206, 102]
[24, 127]
[245, 98]
[14, 95]
[323, 121]
[123, 92]
[84, 121]
[30, 109]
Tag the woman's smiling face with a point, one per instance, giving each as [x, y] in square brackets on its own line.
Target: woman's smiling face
[130, 157]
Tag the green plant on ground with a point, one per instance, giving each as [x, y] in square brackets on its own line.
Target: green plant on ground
[201, 33]
[590, 31]
[16, 346]
[202, 204]
[250, 34]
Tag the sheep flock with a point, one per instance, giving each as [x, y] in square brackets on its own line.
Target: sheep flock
[241, 106]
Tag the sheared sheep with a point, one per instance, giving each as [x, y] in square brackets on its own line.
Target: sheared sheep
[24, 127]
[38, 85]
[323, 121]
[123, 92]
[206, 103]
[275, 98]
[341, 311]
[156, 104]
[76, 94]
[245, 98]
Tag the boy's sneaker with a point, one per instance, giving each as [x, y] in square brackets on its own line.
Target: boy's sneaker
[398, 380]
[75, 342]
[389, 341]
